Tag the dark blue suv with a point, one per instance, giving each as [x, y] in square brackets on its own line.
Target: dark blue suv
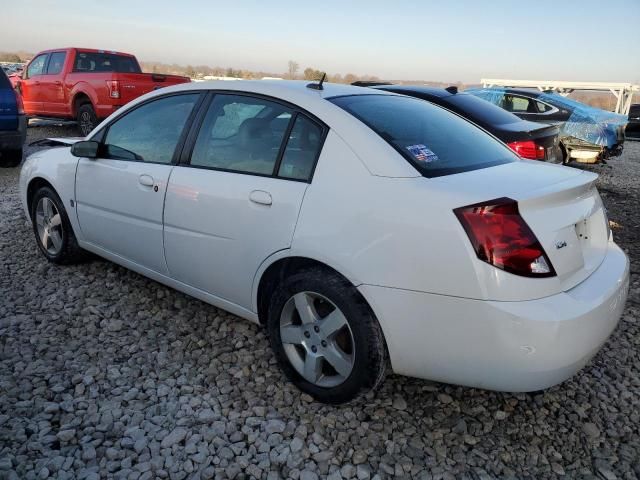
[13, 124]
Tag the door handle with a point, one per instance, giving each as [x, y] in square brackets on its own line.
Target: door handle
[146, 180]
[58, 82]
[261, 197]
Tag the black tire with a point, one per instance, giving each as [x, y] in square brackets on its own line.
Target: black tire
[70, 252]
[369, 358]
[10, 158]
[87, 119]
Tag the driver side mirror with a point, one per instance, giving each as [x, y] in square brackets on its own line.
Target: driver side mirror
[85, 149]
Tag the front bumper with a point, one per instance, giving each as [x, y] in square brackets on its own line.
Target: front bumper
[506, 346]
[14, 139]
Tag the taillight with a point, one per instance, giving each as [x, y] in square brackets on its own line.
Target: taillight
[114, 88]
[19, 104]
[528, 149]
[501, 237]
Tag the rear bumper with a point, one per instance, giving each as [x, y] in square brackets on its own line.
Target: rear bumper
[507, 346]
[14, 139]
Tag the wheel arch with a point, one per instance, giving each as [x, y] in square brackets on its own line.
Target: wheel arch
[81, 97]
[271, 274]
[35, 184]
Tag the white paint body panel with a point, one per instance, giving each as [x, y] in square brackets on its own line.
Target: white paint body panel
[372, 217]
[216, 237]
[119, 214]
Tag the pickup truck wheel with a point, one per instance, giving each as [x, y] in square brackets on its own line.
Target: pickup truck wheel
[52, 229]
[10, 158]
[87, 119]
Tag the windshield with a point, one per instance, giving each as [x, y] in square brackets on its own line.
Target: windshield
[435, 141]
[482, 111]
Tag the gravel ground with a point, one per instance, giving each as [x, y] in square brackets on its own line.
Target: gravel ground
[106, 374]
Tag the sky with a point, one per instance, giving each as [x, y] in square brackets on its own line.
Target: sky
[462, 40]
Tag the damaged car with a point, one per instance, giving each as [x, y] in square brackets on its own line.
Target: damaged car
[587, 134]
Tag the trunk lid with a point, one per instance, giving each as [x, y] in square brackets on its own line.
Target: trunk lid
[561, 206]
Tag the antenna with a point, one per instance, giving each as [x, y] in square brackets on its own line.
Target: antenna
[318, 86]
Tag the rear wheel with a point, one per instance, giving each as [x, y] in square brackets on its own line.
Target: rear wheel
[87, 119]
[325, 337]
[52, 229]
[10, 158]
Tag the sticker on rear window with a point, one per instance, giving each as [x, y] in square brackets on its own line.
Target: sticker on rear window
[422, 154]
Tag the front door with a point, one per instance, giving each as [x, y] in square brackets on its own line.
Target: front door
[30, 85]
[120, 195]
[238, 200]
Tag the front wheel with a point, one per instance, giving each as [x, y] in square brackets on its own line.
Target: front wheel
[10, 158]
[52, 229]
[87, 119]
[325, 337]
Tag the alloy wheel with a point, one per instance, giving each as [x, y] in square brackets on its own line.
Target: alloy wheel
[49, 226]
[86, 124]
[317, 339]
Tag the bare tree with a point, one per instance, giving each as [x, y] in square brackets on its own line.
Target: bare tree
[293, 69]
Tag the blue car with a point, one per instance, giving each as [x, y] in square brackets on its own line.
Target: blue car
[587, 134]
[13, 124]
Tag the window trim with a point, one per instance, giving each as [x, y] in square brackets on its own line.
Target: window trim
[101, 135]
[187, 151]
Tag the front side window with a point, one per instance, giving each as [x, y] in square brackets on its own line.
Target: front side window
[242, 134]
[36, 67]
[105, 62]
[435, 141]
[56, 63]
[150, 133]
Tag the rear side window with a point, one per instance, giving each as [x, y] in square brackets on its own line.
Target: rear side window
[150, 133]
[105, 62]
[517, 104]
[56, 62]
[303, 148]
[36, 67]
[481, 110]
[241, 134]
[435, 141]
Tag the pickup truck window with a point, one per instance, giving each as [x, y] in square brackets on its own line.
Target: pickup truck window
[36, 67]
[105, 62]
[56, 62]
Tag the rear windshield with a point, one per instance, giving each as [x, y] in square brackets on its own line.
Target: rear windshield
[435, 141]
[482, 111]
[105, 62]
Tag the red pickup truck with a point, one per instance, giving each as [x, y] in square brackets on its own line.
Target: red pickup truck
[85, 85]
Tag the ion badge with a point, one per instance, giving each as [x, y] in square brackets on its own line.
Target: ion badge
[422, 154]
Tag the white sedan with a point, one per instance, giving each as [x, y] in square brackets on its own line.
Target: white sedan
[362, 228]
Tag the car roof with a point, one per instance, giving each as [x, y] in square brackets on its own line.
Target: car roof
[83, 50]
[293, 91]
[421, 89]
[522, 91]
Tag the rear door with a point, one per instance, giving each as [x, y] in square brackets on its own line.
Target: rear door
[237, 201]
[52, 89]
[30, 85]
[120, 195]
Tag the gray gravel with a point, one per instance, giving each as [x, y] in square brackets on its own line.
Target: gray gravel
[106, 374]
